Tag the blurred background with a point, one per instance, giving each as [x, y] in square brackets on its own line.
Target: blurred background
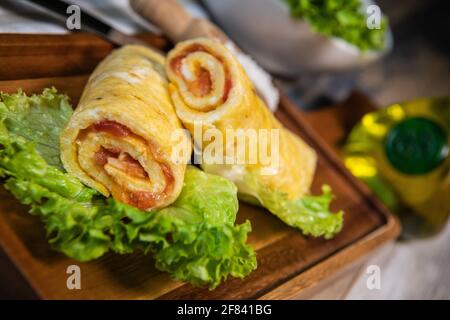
[414, 64]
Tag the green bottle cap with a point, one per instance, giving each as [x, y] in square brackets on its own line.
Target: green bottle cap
[416, 145]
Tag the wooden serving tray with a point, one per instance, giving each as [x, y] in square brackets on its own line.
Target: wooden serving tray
[288, 262]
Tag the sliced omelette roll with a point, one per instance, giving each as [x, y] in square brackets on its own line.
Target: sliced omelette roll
[210, 88]
[211, 91]
[119, 139]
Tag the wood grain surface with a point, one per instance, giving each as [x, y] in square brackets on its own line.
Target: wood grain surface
[288, 262]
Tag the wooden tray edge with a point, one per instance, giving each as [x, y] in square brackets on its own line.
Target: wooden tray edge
[336, 262]
[351, 253]
[321, 146]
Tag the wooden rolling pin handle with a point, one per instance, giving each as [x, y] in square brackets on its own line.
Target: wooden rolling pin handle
[175, 21]
[167, 15]
[203, 28]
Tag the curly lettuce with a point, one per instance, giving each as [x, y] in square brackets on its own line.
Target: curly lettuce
[39, 118]
[195, 239]
[311, 214]
[343, 19]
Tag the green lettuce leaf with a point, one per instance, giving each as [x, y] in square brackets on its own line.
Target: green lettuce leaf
[65, 205]
[343, 19]
[38, 118]
[310, 214]
[195, 239]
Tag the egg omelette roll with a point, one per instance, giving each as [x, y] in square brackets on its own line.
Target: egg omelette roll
[211, 90]
[118, 140]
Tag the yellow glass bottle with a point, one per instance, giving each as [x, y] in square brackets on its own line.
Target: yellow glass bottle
[402, 153]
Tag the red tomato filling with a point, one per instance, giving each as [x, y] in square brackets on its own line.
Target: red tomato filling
[202, 84]
[132, 167]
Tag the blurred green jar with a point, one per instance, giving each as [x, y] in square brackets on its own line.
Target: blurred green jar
[402, 153]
